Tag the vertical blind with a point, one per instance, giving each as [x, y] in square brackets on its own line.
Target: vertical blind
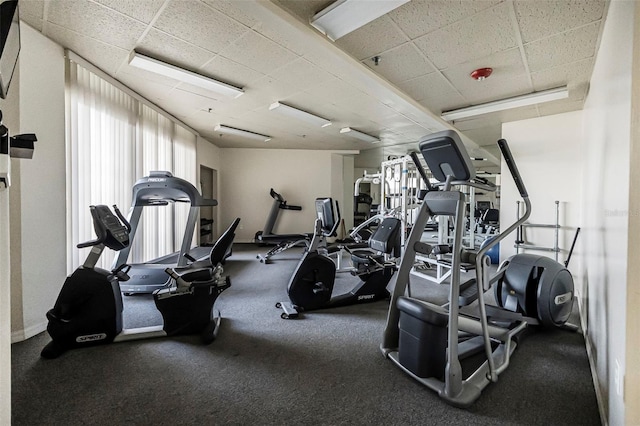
[114, 139]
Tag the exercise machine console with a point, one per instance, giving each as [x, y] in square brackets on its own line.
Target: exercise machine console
[161, 188]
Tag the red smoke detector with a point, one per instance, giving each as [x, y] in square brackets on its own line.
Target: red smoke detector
[481, 73]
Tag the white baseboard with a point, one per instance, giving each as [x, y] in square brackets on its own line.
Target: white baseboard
[594, 376]
[21, 335]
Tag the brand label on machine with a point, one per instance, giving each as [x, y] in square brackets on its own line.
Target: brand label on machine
[562, 298]
[156, 179]
[91, 337]
[366, 297]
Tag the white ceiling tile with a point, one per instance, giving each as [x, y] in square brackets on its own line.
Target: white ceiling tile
[509, 77]
[333, 91]
[575, 72]
[541, 18]
[33, 8]
[368, 107]
[301, 73]
[564, 48]
[268, 89]
[199, 24]
[400, 64]
[231, 72]
[419, 17]
[142, 10]
[110, 56]
[153, 90]
[241, 44]
[375, 37]
[259, 53]
[96, 21]
[429, 86]
[32, 12]
[483, 34]
[168, 48]
[187, 100]
[227, 7]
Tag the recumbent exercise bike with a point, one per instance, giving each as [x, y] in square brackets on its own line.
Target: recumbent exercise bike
[88, 310]
[311, 285]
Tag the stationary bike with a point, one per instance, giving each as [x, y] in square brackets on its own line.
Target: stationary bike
[311, 285]
[89, 308]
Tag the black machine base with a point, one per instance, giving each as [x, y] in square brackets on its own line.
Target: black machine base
[190, 311]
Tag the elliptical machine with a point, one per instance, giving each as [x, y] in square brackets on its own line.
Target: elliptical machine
[311, 285]
[428, 341]
[89, 308]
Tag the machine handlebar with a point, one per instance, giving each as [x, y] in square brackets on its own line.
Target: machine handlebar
[513, 169]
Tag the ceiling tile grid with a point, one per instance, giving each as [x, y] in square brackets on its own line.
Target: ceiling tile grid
[378, 36]
[257, 52]
[427, 50]
[540, 18]
[508, 78]
[401, 63]
[575, 72]
[86, 17]
[432, 86]
[110, 56]
[483, 34]
[142, 10]
[563, 48]
[165, 47]
[420, 17]
[200, 24]
[230, 71]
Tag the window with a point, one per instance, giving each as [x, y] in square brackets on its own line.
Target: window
[113, 139]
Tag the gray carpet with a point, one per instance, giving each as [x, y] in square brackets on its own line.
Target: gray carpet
[325, 368]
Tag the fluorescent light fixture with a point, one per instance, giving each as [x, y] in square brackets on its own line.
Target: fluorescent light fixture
[344, 16]
[156, 66]
[359, 135]
[501, 105]
[299, 114]
[239, 132]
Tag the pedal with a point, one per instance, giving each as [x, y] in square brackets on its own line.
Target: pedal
[468, 292]
[289, 311]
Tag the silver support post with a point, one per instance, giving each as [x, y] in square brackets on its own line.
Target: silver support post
[556, 245]
[453, 370]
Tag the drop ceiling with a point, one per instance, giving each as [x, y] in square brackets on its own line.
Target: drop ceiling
[426, 50]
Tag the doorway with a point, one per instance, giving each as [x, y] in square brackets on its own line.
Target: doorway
[208, 215]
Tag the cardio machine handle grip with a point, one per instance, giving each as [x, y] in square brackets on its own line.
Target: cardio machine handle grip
[122, 218]
[513, 169]
[289, 207]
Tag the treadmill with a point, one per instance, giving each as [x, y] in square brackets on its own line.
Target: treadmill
[282, 241]
[159, 189]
